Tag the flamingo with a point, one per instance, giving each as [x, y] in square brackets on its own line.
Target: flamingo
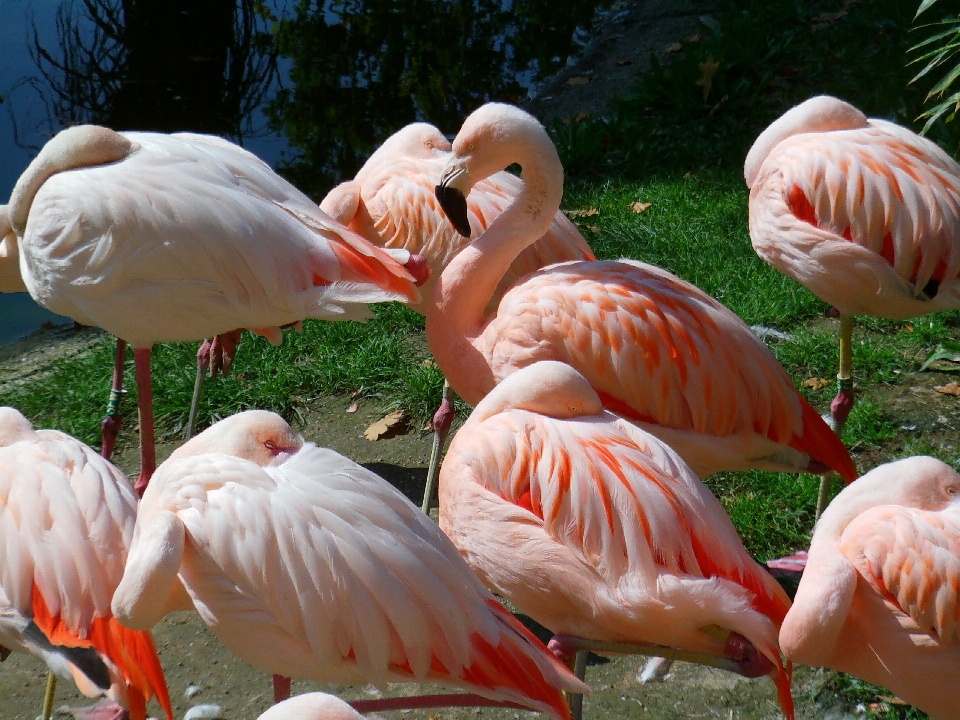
[596, 529]
[307, 565]
[168, 238]
[66, 521]
[312, 706]
[879, 596]
[391, 203]
[658, 350]
[864, 213]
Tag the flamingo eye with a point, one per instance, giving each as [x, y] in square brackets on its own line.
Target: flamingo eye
[429, 143]
[470, 146]
[952, 490]
[271, 446]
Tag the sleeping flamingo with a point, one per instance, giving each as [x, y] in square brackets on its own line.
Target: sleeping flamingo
[658, 350]
[391, 203]
[307, 565]
[66, 521]
[879, 597]
[167, 238]
[864, 213]
[596, 529]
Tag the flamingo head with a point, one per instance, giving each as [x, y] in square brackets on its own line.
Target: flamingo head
[259, 436]
[13, 426]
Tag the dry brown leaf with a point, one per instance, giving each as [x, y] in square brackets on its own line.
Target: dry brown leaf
[675, 47]
[908, 327]
[816, 383]
[591, 228]
[578, 81]
[709, 69]
[583, 212]
[386, 426]
[951, 388]
[694, 38]
[352, 408]
[626, 61]
[639, 207]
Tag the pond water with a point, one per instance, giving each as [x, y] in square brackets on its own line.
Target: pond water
[312, 88]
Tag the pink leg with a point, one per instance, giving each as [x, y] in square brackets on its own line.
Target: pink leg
[843, 403]
[110, 427]
[281, 688]
[148, 451]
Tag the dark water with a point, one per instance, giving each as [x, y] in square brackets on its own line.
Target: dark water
[312, 88]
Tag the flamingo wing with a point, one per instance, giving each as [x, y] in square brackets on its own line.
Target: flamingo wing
[878, 198]
[66, 520]
[319, 568]
[912, 559]
[660, 351]
[191, 222]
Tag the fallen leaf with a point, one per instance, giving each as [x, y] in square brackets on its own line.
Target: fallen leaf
[352, 408]
[816, 383]
[639, 207]
[386, 426]
[428, 427]
[951, 388]
[591, 228]
[694, 38]
[891, 700]
[578, 81]
[675, 47]
[626, 61]
[908, 327]
[581, 116]
[583, 212]
[428, 364]
[709, 69]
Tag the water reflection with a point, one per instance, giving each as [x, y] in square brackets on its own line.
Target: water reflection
[162, 65]
[361, 69]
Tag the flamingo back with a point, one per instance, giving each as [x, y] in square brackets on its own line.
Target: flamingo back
[878, 201]
[318, 568]
[911, 558]
[661, 352]
[66, 520]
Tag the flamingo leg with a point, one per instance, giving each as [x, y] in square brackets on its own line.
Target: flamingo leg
[842, 404]
[110, 427]
[578, 664]
[442, 419]
[148, 450]
[203, 364]
[739, 656]
[48, 696]
[281, 688]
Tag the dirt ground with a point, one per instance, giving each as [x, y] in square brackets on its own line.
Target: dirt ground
[200, 670]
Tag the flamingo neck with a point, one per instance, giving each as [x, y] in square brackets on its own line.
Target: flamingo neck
[455, 311]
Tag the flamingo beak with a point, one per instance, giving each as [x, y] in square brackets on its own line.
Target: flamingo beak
[452, 199]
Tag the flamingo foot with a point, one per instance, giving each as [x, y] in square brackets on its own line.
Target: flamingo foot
[281, 688]
[841, 406]
[442, 420]
[109, 430]
[223, 350]
[418, 266]
[103, 710]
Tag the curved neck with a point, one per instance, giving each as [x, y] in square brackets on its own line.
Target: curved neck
[455, 310]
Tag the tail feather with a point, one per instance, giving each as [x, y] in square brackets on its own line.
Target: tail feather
[521, 669]
[822, 444]
[381, 270]
[131, 652]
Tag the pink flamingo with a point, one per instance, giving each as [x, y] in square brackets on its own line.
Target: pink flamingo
[658, 350]
[864, 213]
[312, 706]
[879, 596]
[391, 203]
[307, 565]
[167, 238]
[66, 521]
[596, 529]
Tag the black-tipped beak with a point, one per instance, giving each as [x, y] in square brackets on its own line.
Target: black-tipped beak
[454, 204]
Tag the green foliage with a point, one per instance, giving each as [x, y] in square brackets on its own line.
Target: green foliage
[936, 51]
[769, 57]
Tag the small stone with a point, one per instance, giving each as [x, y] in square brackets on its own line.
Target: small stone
[204, 712]
[192, 690]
